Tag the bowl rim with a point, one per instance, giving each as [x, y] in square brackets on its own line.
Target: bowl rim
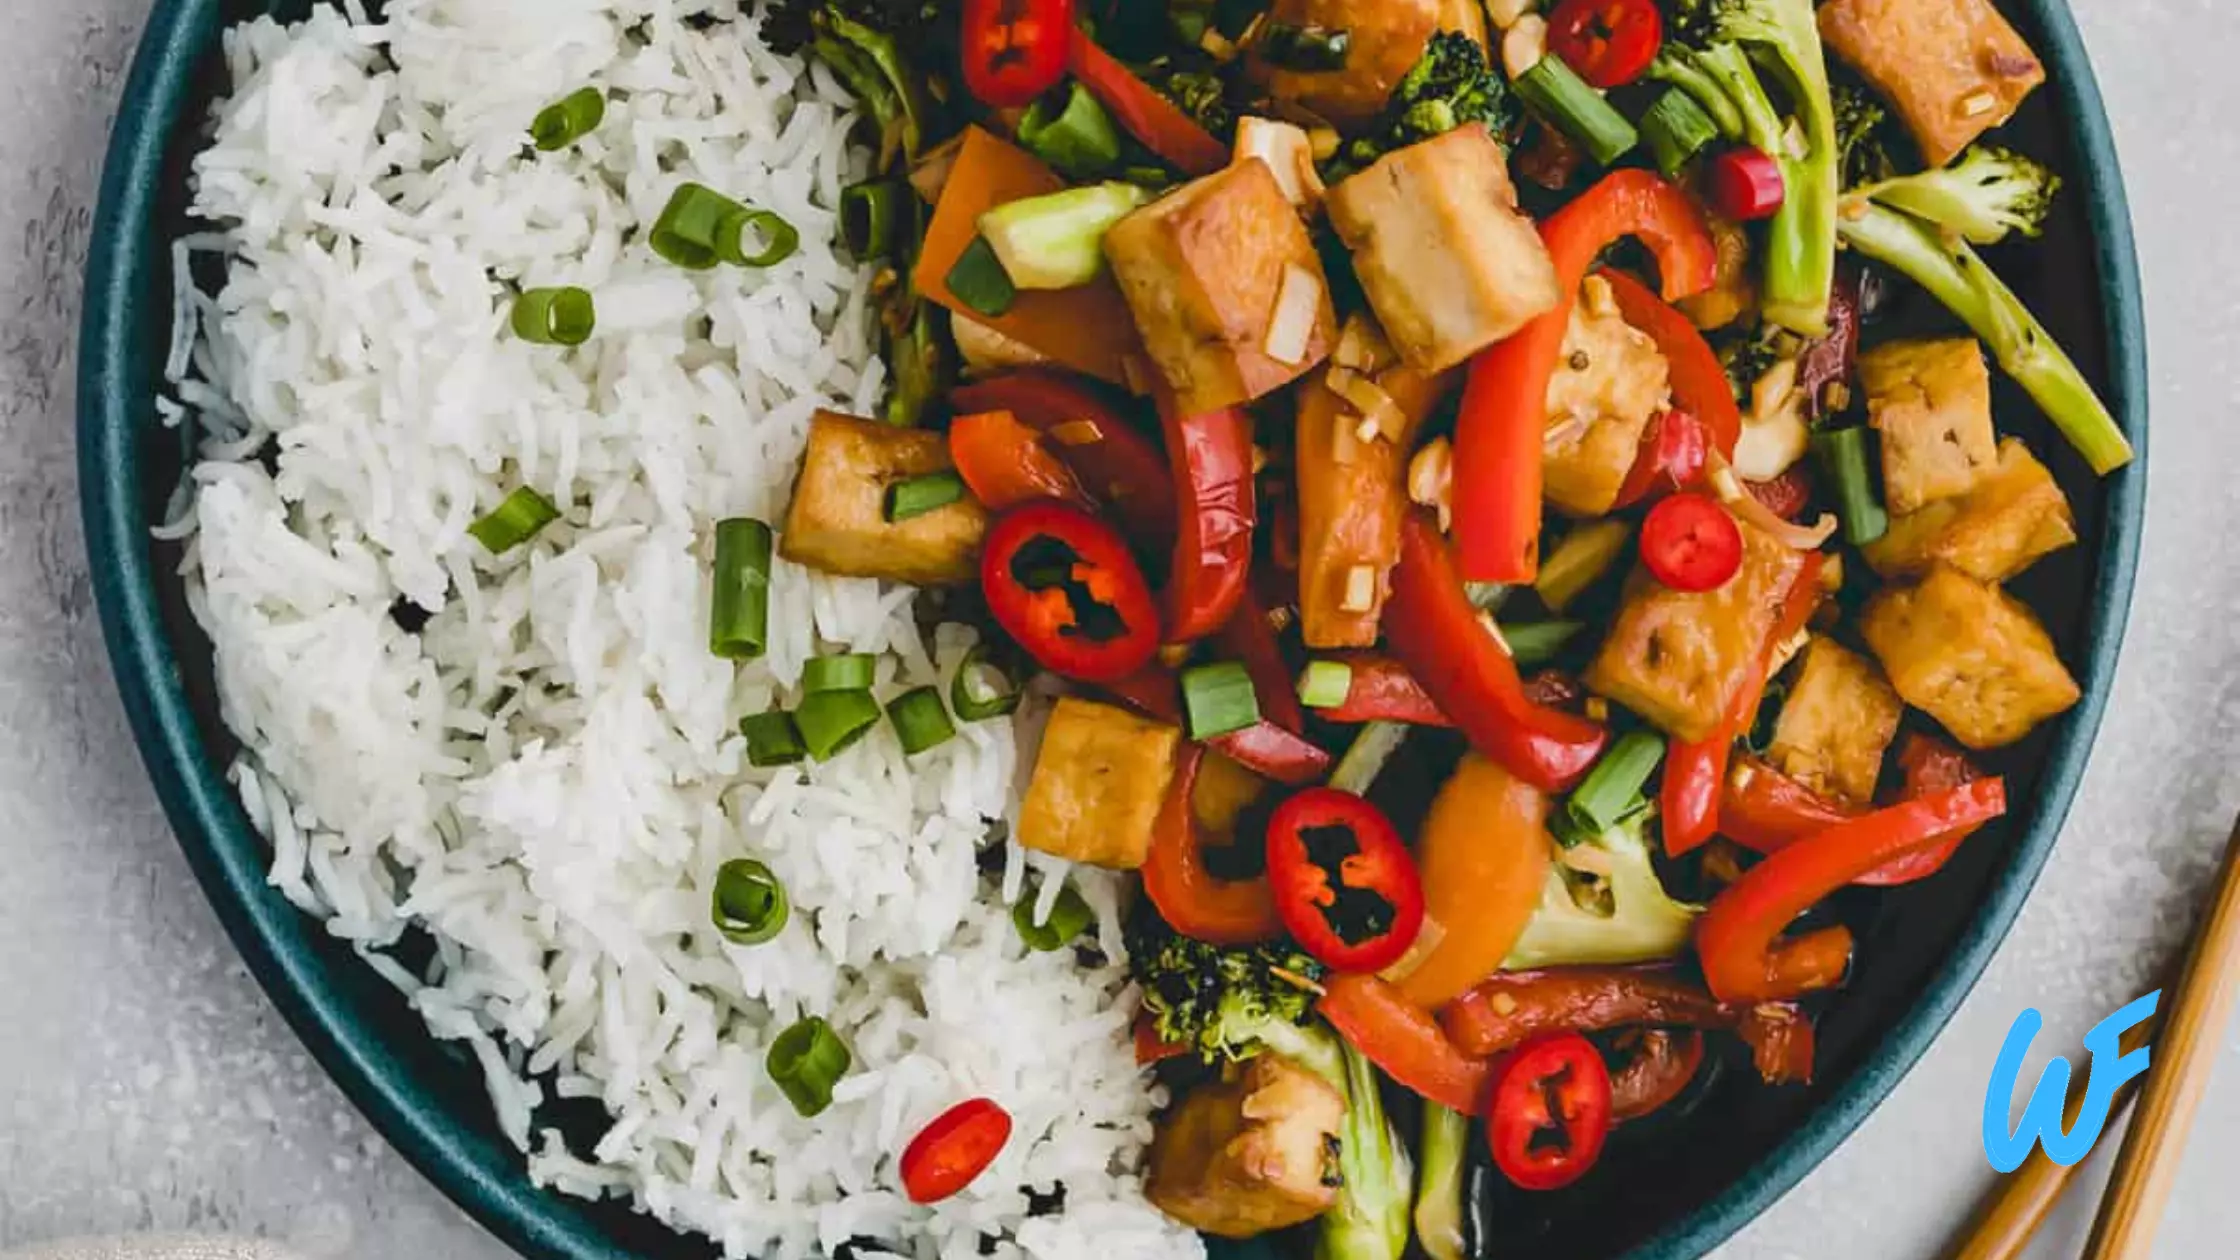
[489, 1181]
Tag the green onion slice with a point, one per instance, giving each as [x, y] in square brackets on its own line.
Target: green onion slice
[1612, 790]
[1556, 92]
[780, 239]
[805, 1062]
[563, 316]
[832, 722]
[772, 739]
[1219, 699]
[982, 689]
[514, 522]
[1676, 129]
[1078, 138]
[848, 671]
[1325, 684]
[1069, 918]
[920, 720]
[569, 119]
[1538, 642]
[690, 226]
[739, 613]
[920, 495]
[1843, 454]
[749, 904]
[869, 213]
[978, 280]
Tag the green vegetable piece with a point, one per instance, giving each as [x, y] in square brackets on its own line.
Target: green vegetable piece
[514, 522]
[1219, 698]
[1069, 918]
[1538, 642]
[1611, 791]
[847, 671]
[1676, 128]
[1077, 137]
[563, 316]
[982, 689]
[772, 739]
[870, 214]
[1442, 1171]
[780, 240]
[978, 280]
[920, 721]
[568, 119]
[689, 227]
[1553, 90]
[739, 607]
[917, 496]
[1627, 918]
[1325, 684]
[1057, 241]
[1987, 195]
[749, 904]
[832, 722]
[1842, 455]
[805, 1062]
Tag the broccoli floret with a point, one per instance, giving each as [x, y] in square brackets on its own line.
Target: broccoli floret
[1721, 47]
[1862, 136]
[1228, 1003]
[1987, 194]
[1934, 255]
[1622, 917]
[1451, 84]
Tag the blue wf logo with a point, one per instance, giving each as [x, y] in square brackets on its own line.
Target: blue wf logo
[2041, 1120]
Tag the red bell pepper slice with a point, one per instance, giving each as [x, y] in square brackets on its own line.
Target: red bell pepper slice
[1739, 936]
[1382, 690]
[1402, 1038]
[1113, 459]
[1548, 1111]
[1505, 404]
[1211, 456]
[1193, 900]
[1765, 810]
[1436, 633]
[1659, 1063]
[1344, 884]
[1143, 113]
[1266, 749]
[1695, 773]
[1249, 639]
[1699, 381]
[1005, 463]
[1672, 457]
[1512, 1007]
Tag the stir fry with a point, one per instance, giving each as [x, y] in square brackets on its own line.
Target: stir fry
[1314, 387]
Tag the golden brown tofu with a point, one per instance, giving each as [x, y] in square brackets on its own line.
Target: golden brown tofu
[1734, 287]
[1931, 401]
[1448, 263]
[1678, 659]
[1098, 784]
[1968, 655]
[1202, 269]
[1837, 722]
[1953, 68]
[838, 522]
[1242, 1157]
[1608, 381]
[2015, 514]
[1385, 39]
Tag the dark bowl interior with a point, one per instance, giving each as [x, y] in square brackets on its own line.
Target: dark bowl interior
[1670, 1187]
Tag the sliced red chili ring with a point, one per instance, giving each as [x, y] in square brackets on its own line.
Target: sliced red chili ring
[1014, 50]
[1690, 543]
[1609, 42]
[957, 1147]
[1344, 883]
[1549, 1112]
[1063, 584]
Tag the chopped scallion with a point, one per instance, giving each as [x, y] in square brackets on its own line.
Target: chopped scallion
[1843, 456]
[563, 316]
[1219, 699]
[982, 689]
[1612, 790]
[691, 225]
[1077, 138]
[920, 495]
[805, 1062]
[849, 671]
[514, 522]
[832, 722]
[1538, 642]
[1676, 129]
[749, 904]
[920, 721]
[1556, 92]
[569, 119]
[780, 239]
[739, 612]
[1069, 918]
[978, 280]
[869, 214]
[1325, 684]
[772, 739]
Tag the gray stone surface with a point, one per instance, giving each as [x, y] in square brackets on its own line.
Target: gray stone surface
[146, 1084]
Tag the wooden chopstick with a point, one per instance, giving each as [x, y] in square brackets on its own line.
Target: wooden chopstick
[2023, 1199]
[2131, 1208]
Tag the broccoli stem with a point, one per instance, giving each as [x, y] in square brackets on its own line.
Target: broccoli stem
[1446, 1137]
[1800, 244]
[1370, 1219]
[1951, 270]
[1678, 67]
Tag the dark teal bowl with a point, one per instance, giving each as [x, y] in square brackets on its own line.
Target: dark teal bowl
[1921, 947]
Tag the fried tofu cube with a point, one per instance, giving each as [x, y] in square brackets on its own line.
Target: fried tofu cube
[1837, 722]
[1241, 1157]
[1678, 658]
[838, 521]
[1953, 68]
[1448, 263]
[1931, 401]
[1098, 785]
[2015, 514]
[1609, 380]
[1384, 40]
[1203, 268]
[1968, 655]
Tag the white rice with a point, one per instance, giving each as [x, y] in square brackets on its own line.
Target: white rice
[547, 776]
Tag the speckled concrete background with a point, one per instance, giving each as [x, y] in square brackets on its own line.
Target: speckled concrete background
[146, 1084]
